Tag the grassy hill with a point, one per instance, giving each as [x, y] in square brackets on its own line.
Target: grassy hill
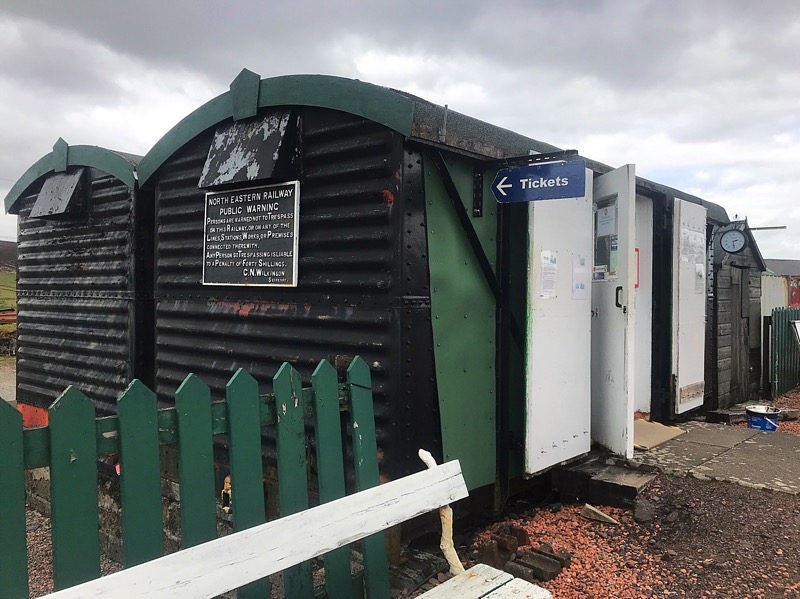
[8, 256]
[8, 290]
[8, 281]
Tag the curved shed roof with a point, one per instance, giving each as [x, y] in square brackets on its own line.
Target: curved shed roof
[410, 116]
[413, 117]
[118, 164]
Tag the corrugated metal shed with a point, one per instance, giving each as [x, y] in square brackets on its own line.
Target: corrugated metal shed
[82, 276]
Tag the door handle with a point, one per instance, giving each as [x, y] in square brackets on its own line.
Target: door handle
[619, 303]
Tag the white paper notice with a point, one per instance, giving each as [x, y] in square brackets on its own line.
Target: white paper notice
[580, 278]
[699, 278]
[549, 274]
[607, 221]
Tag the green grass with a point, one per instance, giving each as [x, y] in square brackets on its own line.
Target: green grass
[8, 290]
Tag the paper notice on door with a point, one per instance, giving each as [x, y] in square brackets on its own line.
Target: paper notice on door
[607, 221]
[699, 277]
[549, 274]
[580, 278]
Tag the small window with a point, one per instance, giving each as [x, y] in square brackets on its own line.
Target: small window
[61, 194]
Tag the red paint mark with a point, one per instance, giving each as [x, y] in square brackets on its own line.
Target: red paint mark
[32, 416]
[242, 309]
[388, 197]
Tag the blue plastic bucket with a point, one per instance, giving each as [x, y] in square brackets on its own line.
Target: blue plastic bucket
[763, 418]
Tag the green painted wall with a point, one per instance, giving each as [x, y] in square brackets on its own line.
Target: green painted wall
[463, 316]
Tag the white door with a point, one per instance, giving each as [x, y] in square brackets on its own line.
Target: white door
[613, 310]
[688, 304]
[558, 409]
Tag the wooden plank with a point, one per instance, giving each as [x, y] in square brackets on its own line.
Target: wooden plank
[140, 481]
[73, 489]
[195, 462]
[518, 589]
[247, 475]
[330, 470]
[365, 454]
[229, 562]
[292, 475]
[478, 581]
[13, 556]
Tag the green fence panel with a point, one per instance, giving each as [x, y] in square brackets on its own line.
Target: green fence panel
[292, 477]
[785, 352]
[73, 490]
[196, 462]
[365, 454]
[247, 487]
[330, 470]
[140, 481]
[13, 554]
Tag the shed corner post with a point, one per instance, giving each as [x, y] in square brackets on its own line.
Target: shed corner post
[503, 331]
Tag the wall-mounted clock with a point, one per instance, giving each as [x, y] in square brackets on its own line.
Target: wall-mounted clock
[733, 241]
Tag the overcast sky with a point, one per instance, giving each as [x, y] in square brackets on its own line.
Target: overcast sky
[702, 96]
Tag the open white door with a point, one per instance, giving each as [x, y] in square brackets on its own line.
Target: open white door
[688, 305]
[613, 310]
[559, 331]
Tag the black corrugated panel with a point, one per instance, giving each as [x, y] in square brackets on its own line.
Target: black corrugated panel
[76, 298]
[349, 299]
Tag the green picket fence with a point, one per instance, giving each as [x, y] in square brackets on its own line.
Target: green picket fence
[784, 351]
[74, 440]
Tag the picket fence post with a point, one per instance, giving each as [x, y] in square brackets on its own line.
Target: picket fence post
[74, 439]
[13, 555]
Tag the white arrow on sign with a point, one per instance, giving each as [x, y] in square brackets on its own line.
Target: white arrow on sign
[501, 188]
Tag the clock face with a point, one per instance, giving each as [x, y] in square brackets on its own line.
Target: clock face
[733, 241]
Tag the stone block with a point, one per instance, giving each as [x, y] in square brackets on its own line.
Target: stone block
[542, 567]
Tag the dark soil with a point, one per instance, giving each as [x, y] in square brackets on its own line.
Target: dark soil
[686, 538]
[719, 539]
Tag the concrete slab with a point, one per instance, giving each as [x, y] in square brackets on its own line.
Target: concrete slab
[677, 456]
[766, 460]
[617, 486]
[720, 436]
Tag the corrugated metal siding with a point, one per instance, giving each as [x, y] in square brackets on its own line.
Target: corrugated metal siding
[355, 232]
[785, 352]
[75, 290]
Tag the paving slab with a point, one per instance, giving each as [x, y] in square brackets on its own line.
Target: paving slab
[720, 436]
[765, 460]
[677, 456]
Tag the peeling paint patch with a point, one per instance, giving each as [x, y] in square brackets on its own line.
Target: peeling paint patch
[245, 150]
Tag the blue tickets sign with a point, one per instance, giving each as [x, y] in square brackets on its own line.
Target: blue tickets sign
[547, 181]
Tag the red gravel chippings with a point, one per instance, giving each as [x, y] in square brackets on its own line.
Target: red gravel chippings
[699, 539]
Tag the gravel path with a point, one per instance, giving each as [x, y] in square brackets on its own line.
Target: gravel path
[8, 378]
[40, 555]
[687, 538]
